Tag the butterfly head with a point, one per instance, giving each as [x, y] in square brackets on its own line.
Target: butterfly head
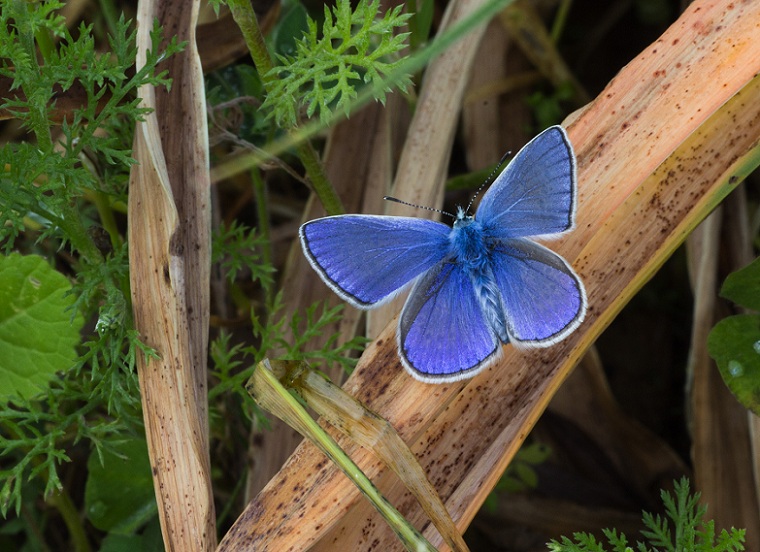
[463, 218]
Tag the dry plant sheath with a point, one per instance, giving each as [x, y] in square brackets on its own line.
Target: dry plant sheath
[266, 389]
[169, 235]
[657, 150]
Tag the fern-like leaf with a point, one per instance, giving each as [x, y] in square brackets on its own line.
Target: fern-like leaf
[690, 531]
[355, 48]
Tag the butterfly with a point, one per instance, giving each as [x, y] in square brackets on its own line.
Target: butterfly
[475, 285]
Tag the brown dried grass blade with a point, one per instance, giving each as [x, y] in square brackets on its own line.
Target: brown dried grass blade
[657, 151]
[169, 247]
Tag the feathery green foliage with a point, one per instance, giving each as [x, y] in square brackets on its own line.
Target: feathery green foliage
[689, 532]
[59, 191]
[354, 48]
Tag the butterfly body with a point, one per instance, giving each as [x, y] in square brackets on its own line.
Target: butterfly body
[471, 250]
[475, 285]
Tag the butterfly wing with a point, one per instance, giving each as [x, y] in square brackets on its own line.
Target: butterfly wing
[543, 297]
[366, 258]
[535, 194]
[442, 333]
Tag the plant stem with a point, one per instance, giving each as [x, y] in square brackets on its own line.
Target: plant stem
[73, 229]
[322, 186]
[62, 502]
[110, 15]
[560, 20]
[262, 214]
[244, 16]
[107, 219]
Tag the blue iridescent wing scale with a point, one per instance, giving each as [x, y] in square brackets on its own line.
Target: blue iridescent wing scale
[442, 333]
[535, 194]
[365, 258]
[543, 297]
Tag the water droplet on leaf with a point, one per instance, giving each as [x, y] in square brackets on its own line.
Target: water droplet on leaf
[735, 368]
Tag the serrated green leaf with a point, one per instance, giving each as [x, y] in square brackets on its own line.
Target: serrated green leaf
[325, 72]
[734, 343]
[743, 286]
[37, 334]
[118, 494]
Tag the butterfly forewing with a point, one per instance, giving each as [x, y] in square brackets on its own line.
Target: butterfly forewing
[535, 194]
[443, 335]
[544, 298]
[365, 258]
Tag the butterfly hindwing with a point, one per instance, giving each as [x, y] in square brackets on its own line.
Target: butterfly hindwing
[442, 333]
[366, 258]
[535, 194]
[544, 299]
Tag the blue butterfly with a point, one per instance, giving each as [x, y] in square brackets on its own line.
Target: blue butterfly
[476, 285]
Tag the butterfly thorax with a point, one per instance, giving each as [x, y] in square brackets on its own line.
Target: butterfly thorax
[467, 242]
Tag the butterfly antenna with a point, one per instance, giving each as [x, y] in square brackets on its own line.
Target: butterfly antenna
[488, 180]
[389, 198]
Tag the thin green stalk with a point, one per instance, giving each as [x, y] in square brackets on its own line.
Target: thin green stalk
[63, 503]
[107, 220]
[560, 20]
[44, 43]
[262, 212]
[110, 15]
[244, 16]
[322, 186]
[35, 534]
[74, 230]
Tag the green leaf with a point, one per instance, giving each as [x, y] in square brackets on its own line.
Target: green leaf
[534, 453]
[291, 27]
[38, 334]
[743, 286]
[734, 343]
[421, 21]
[358, 48]
[119, 495]
[149, 541]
